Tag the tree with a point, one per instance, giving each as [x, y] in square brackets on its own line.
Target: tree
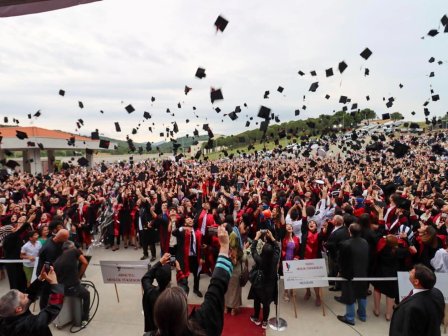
[396, 116]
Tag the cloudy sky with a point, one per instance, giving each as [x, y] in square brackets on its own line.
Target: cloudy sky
[116, 52]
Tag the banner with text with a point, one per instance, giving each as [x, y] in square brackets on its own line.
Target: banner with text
[124, 272]
[305, 273]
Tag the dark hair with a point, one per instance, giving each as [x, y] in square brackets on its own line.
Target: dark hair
[171, 314]
[364, 221]
[267, 257]
[355, 229]
[425, 275]
[31, 234]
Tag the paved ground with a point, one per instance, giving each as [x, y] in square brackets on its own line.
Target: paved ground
[125, 318]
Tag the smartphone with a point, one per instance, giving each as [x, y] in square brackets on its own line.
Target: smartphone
[172, 260]
[47, 265]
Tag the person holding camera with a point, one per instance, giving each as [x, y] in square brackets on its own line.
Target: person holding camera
[171, 308]
[16, 318]
[264, 285]
[161, 271]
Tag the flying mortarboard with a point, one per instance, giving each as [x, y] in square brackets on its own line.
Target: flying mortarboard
[366, 53]
[343, 100]
[200, 73]
[80, 104]
[297, 112]
[216, 95]
[95, 135]
[301, 73]
[21, 135]
[433, 32]
[221, 23]
[329, 72]
[233, 115]
[342, 66]
[83, 162]
[37, 114]
[129, 108]
[62, 93]
[280, 89]
[431, 60]
[435, 97]
[313, 73]
[264, 112]
[187, 89]
[366, 72]
[386, 116]
[117, 127]
[314, 87]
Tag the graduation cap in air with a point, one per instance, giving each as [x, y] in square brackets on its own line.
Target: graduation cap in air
[29, 116]
[366, 53]
[216, 95]
[431, 74]
[400, 149]
[389, 104]
[343, 100]
[117, 127]
[233, 115]
[41, 146]
[89, 151]
[80, 104]
[31, 144]
[247, 123]
[217, 109]
[400, 86]
[175, 128]
[12, 164]
[433, 32]
[329, 72]
[266, 95]
[95, 135]
[21, 135]
[297, 112]
[435, 97]
[221, 23]
[426, 112]
[264, 112]
[195, 132]
[342, 66]
[146, 115]
[129, 108]
[83, 162]
[386, 116]
[301, 73]
[264, 125]
[280, 89]
[37, 114]
[187, 89]
[134, 131]
[366, 72]
[200, 73]
[313, 73]
[5, 119]
[314, 87]
[62, 93]
[431, 60]
[311, 124]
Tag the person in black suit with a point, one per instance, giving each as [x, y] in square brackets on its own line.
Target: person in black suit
[354, 263]
[422, 311]
[338, 234]
[146, 230]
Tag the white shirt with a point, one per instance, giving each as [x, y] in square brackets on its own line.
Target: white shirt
[440, 261]
[31, 251]
[415, 290]
[173, 239]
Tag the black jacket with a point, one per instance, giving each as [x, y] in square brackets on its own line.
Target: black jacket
[28, 324]
[150, 295]
[334, 242]
[419, 315]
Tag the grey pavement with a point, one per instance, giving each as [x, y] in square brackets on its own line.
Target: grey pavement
[125, 318]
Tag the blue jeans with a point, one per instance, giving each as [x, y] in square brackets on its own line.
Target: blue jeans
[350, 311]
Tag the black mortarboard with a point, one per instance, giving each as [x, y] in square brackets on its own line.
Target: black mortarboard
[31, 144]
[366, 53]
[233, 115]
[146, 115]
[354, 106]
[41, 146]
[95, 135]
[366, 72]
[329, 72]
[175, 128]
[221, 23]
[179, 105]
[433, 32]
[187, 89]
[313, 73]
[89, 151]
[117, 127]
[29, 116]
[311, 124]
[431, 60]
[301, 73]
[327, 96]
[161, 134]
[12, 164]
[400, 86]
[389, 104]
[216, 95]
[280, 89]
[282, 134]
[304, 107]
[264, 125]
[431, 74]
[413, 112]
[195, 132]
[200, 73]
[62, 93]
[5, 119]
[217, 109]
[444, 20]
[264, 112]
[247, 123]
[426, 111]
[21, 135]
[345, 109]
[343, 100]
[314, 87]
[386, 116]
[37, 114]
[129, 108]
[342, 66]
[297, 112]
[435, 97]
[83, 162]
[80, 104]
[198, 154]
[266, 95]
